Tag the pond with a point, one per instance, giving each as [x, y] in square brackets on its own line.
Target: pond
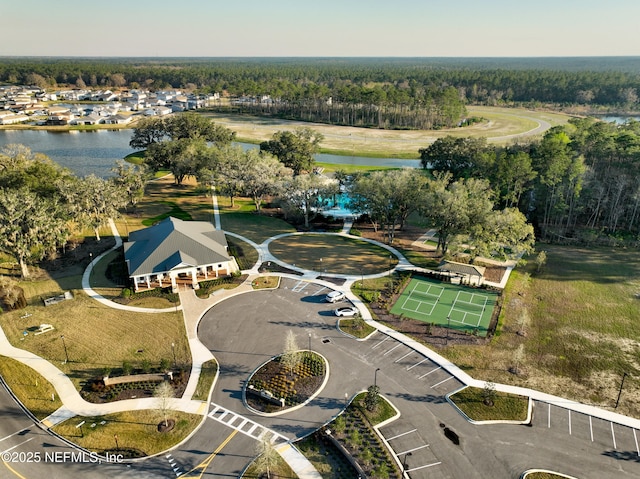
[96, 151]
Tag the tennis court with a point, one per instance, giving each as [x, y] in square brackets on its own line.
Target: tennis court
[459, 307]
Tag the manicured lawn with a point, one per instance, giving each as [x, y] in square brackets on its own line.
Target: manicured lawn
[96, 336]
[356, 327]
[136, 430]
[506, 407]
[242, 219]
[332, 253]
[205, 381]
[544, 475]
[33, 390]
[266, 282]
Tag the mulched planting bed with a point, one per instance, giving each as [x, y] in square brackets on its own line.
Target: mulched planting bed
[351, 437]
[95, 391]
[295, 386]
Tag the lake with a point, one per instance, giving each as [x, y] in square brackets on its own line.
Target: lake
[96, 151]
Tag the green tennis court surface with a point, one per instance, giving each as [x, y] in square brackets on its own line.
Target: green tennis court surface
[464, 309]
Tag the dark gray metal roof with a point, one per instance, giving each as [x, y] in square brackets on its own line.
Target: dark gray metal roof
[173, 243]
[462, 268]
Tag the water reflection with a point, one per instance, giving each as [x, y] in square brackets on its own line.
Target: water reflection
[96, 151]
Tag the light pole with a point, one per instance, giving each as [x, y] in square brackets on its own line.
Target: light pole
[624, 375]
[375, 378]
[66, 354]
[173, 350]
[404, 464]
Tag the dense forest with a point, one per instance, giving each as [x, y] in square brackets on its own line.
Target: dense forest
[381, 93]
[579, 183]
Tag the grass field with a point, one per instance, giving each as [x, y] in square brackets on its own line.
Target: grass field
[96, 336]
[135, 430]
[506, 407]
[33, 390]
[444, 304]
[332, 253]
[571, 330]
[502, 126]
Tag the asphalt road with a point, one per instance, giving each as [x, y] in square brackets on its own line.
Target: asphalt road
[244, 332]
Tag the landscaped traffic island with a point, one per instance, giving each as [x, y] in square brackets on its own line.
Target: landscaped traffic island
[486, 404]
[286, 381]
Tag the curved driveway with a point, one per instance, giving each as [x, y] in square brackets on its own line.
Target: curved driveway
[242, 334]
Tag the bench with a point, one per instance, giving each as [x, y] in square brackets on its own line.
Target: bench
[58, 299]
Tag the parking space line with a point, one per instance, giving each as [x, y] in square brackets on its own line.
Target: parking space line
[402, 434]
[400, 359]
[411, 450]
[396, 346]
[613, 435]
[17, 445]
[549, 416]
[432, 371]
[443, 381]
[379, 343]
[569, 410]
[635, 438]
[416, 364]
[423, 467]
[14, 434]
[591, 427]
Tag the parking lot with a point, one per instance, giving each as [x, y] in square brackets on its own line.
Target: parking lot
[596, 433]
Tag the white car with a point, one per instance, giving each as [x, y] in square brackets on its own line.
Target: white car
[347, 311]
[334, 296]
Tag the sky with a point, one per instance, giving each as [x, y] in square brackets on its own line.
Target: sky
[320, 28]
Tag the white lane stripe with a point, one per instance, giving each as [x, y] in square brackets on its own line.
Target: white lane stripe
[400, 359]
[416, 364]
[635, 438]
[14, 434]
[613, 435]
[591, 427]
[549, 417]
[432, 371]
[17, 445]
[443, 381]
[423, 467]
[402, 434]
[380, 342]
[397, 346]
[411, 450]
[569, 421]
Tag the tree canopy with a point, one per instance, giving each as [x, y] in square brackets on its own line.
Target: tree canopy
[294, 149]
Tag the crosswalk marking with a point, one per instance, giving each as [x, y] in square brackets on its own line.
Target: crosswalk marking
[256, 431]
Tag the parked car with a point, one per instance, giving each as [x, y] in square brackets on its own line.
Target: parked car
[347, 311]
[334, 296]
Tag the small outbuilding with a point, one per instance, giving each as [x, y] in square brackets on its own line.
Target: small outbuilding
[463, 273]
[175, 251]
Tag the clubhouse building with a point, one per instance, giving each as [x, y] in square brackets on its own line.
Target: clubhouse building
[174, 252]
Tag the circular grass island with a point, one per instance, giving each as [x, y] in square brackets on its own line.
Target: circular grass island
[286, 382]
[332, 253]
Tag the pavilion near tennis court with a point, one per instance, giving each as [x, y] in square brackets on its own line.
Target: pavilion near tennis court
[461, 273]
